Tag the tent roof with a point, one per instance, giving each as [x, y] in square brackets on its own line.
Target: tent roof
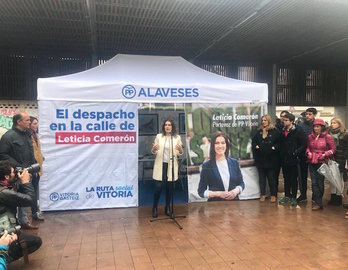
[157, 79]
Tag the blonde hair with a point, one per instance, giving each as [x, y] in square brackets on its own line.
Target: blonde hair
[268, 117]
[340, 123]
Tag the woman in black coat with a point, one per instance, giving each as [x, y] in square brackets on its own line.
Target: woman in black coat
[265, 146]
[340, 136]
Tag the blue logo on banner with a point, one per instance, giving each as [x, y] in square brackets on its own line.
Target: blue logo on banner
[54, 196]
[105, 192]
[128, 91]
[70, 196]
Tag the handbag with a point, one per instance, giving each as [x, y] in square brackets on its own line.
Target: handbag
[330, 170]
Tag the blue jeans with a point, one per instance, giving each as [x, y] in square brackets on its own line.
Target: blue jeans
[23, 215]
[23, 211]
[35, 207]
[317, 184]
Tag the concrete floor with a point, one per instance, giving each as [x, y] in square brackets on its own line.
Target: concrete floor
[215, 235]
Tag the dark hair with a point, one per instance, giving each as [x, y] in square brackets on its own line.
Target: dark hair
[290, 116]
[213, 141]
[17, 117]
[285, 111]
[173, 127]
[312, 110]
[32, 118]
[5, 169]
[323, 128]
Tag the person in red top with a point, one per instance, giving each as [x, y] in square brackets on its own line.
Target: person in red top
[320, 147]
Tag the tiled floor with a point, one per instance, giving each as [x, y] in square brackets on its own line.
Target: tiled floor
[215, 235]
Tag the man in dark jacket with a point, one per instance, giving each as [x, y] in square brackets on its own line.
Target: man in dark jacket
[16, 147]
[279, 125]
[10, 199]
[306, 127]
[292, 144]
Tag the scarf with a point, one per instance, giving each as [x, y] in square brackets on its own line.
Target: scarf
[335, 133]
[6, 183]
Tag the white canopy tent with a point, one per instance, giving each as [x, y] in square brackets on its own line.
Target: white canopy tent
[89, 123]
[175, 77]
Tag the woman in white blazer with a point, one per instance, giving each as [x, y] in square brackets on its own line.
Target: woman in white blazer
[167, 144]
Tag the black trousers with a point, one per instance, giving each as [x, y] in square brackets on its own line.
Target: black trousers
[270, 175]
[303, 177]
[290, 181]
[32, 242]
[277, 173]
[163, 184]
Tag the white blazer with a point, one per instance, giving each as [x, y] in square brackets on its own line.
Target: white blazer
[157, 169]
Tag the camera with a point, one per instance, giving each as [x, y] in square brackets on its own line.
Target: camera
[35, 168]
[16, 230]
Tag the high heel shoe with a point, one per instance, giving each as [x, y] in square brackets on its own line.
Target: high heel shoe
[154, 212]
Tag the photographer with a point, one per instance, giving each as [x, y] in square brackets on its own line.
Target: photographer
[10, 199]
[16, 146]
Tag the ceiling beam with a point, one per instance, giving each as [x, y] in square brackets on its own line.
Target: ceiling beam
[233, 28]
[314, 50]
[92, 18]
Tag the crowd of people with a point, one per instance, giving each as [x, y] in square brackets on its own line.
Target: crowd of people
[296, 148]
[20, 149]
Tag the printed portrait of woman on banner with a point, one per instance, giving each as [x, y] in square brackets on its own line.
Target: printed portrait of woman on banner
[206, 176]
[221, 177]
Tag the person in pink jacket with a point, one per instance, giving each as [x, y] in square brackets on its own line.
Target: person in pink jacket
[320, 147]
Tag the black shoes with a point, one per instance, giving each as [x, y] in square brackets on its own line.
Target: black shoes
[167, 211]
[335, 200]
[332, 199]
[301, 199]
[154, 212]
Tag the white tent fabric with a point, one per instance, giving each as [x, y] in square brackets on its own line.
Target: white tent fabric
[89, 124]
[153, 79]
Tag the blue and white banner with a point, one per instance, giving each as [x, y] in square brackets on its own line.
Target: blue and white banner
[91, 155]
